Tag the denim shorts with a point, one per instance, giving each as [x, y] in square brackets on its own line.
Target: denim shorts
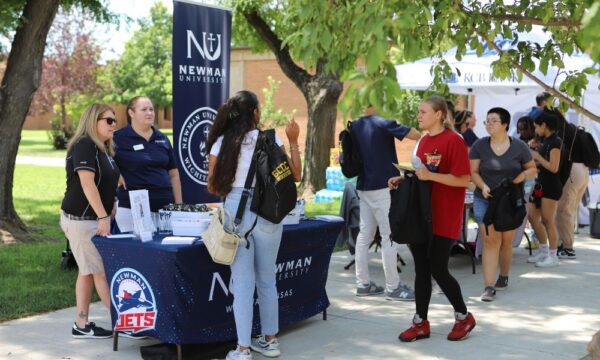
[480, 206]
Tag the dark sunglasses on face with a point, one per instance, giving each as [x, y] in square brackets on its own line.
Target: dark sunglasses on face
[109, 120]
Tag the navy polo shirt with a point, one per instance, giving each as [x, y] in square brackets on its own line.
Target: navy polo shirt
[375, 137]
[145, 165]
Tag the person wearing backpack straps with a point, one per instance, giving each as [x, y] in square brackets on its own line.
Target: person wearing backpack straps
[232, 140]
[374, 138]
[573, 190]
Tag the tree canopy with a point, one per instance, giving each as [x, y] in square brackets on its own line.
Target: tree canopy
[145, 66]
[418, 27]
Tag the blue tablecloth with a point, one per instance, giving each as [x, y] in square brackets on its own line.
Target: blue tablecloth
[177, 294]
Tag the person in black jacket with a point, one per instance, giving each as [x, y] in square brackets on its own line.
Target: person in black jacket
[493, 159]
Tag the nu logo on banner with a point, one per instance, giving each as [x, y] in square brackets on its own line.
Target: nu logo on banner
[209, 53]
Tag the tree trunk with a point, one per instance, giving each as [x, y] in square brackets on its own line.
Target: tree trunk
[322, 94]
[21, 79]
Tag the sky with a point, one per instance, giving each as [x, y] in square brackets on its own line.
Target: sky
[113, 38]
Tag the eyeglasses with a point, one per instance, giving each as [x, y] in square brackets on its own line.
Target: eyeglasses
[491, 122]
[109, 120]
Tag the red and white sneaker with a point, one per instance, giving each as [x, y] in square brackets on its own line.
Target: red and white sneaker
[417, 331]
[462, 328]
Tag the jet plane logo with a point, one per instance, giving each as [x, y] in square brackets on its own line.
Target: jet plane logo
[133, 299]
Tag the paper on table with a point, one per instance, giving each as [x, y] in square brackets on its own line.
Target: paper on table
[178, 240]
[329, 218]
[120, 236]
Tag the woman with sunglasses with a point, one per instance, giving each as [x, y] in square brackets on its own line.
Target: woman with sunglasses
[145, 157]
[92, 177]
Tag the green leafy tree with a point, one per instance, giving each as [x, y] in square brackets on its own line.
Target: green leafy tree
[145, 66]
[30, 21]
[420, 26]
[274, 117]
[315, 43]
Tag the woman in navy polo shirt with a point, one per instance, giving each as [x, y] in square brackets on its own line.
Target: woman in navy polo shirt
[92, 177]
[145, 157]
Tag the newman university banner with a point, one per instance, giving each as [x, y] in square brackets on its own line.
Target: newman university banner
[201, 49]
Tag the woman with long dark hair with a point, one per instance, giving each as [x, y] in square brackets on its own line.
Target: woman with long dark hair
[548, 190]
[231, 141]
[443, 154]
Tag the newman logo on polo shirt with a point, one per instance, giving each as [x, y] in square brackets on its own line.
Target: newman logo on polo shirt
[192, 143]
[132, 297]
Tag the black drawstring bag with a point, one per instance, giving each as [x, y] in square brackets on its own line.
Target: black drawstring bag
[68, 259]
[275, 192]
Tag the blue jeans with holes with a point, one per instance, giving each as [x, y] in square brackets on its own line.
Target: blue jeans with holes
[254, 268]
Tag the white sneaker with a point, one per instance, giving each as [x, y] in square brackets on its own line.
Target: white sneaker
[534, 259]
[267, 348]
[238, 354]
[548, 261]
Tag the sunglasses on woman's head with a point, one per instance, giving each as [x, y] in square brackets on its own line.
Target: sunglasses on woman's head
[109, 120]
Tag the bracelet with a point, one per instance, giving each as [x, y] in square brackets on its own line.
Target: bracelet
[294, 147]
[104, 217]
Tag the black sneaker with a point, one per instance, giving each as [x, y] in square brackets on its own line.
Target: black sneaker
[489, 293]
[568, 254]
[90, 331]
[501, 283]
[132, 335]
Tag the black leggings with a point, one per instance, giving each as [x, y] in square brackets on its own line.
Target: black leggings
[432, 260]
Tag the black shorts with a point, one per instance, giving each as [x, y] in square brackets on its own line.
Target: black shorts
[551, 188]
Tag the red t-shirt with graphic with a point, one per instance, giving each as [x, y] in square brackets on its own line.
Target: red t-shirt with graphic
[446, 153]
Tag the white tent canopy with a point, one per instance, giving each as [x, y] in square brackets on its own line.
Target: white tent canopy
[472, 75]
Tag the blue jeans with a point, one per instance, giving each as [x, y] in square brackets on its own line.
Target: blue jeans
[254, 268]
[480, 206]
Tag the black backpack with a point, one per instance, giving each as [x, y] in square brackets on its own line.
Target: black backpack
[350, 159]
[275, 192]
[588, 148]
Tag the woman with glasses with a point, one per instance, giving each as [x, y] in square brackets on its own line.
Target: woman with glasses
[92, 177]
[495, 158]
[464, 122]
[548, 190]
[145, 157]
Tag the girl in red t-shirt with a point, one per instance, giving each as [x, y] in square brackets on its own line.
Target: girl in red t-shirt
[445, 160]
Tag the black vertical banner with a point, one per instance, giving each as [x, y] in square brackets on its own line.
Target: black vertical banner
[201, 49]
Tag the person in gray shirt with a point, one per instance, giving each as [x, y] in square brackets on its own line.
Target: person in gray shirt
[493, 159]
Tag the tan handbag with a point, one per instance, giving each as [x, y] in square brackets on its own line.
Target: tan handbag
[221, 243]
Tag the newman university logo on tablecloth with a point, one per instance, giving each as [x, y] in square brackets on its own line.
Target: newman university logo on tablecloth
[132, 297]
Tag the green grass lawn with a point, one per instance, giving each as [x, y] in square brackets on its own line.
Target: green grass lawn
[35, 143]
[31, 280]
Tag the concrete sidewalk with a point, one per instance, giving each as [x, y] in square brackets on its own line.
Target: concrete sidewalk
[544, 314]
[40, 161]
